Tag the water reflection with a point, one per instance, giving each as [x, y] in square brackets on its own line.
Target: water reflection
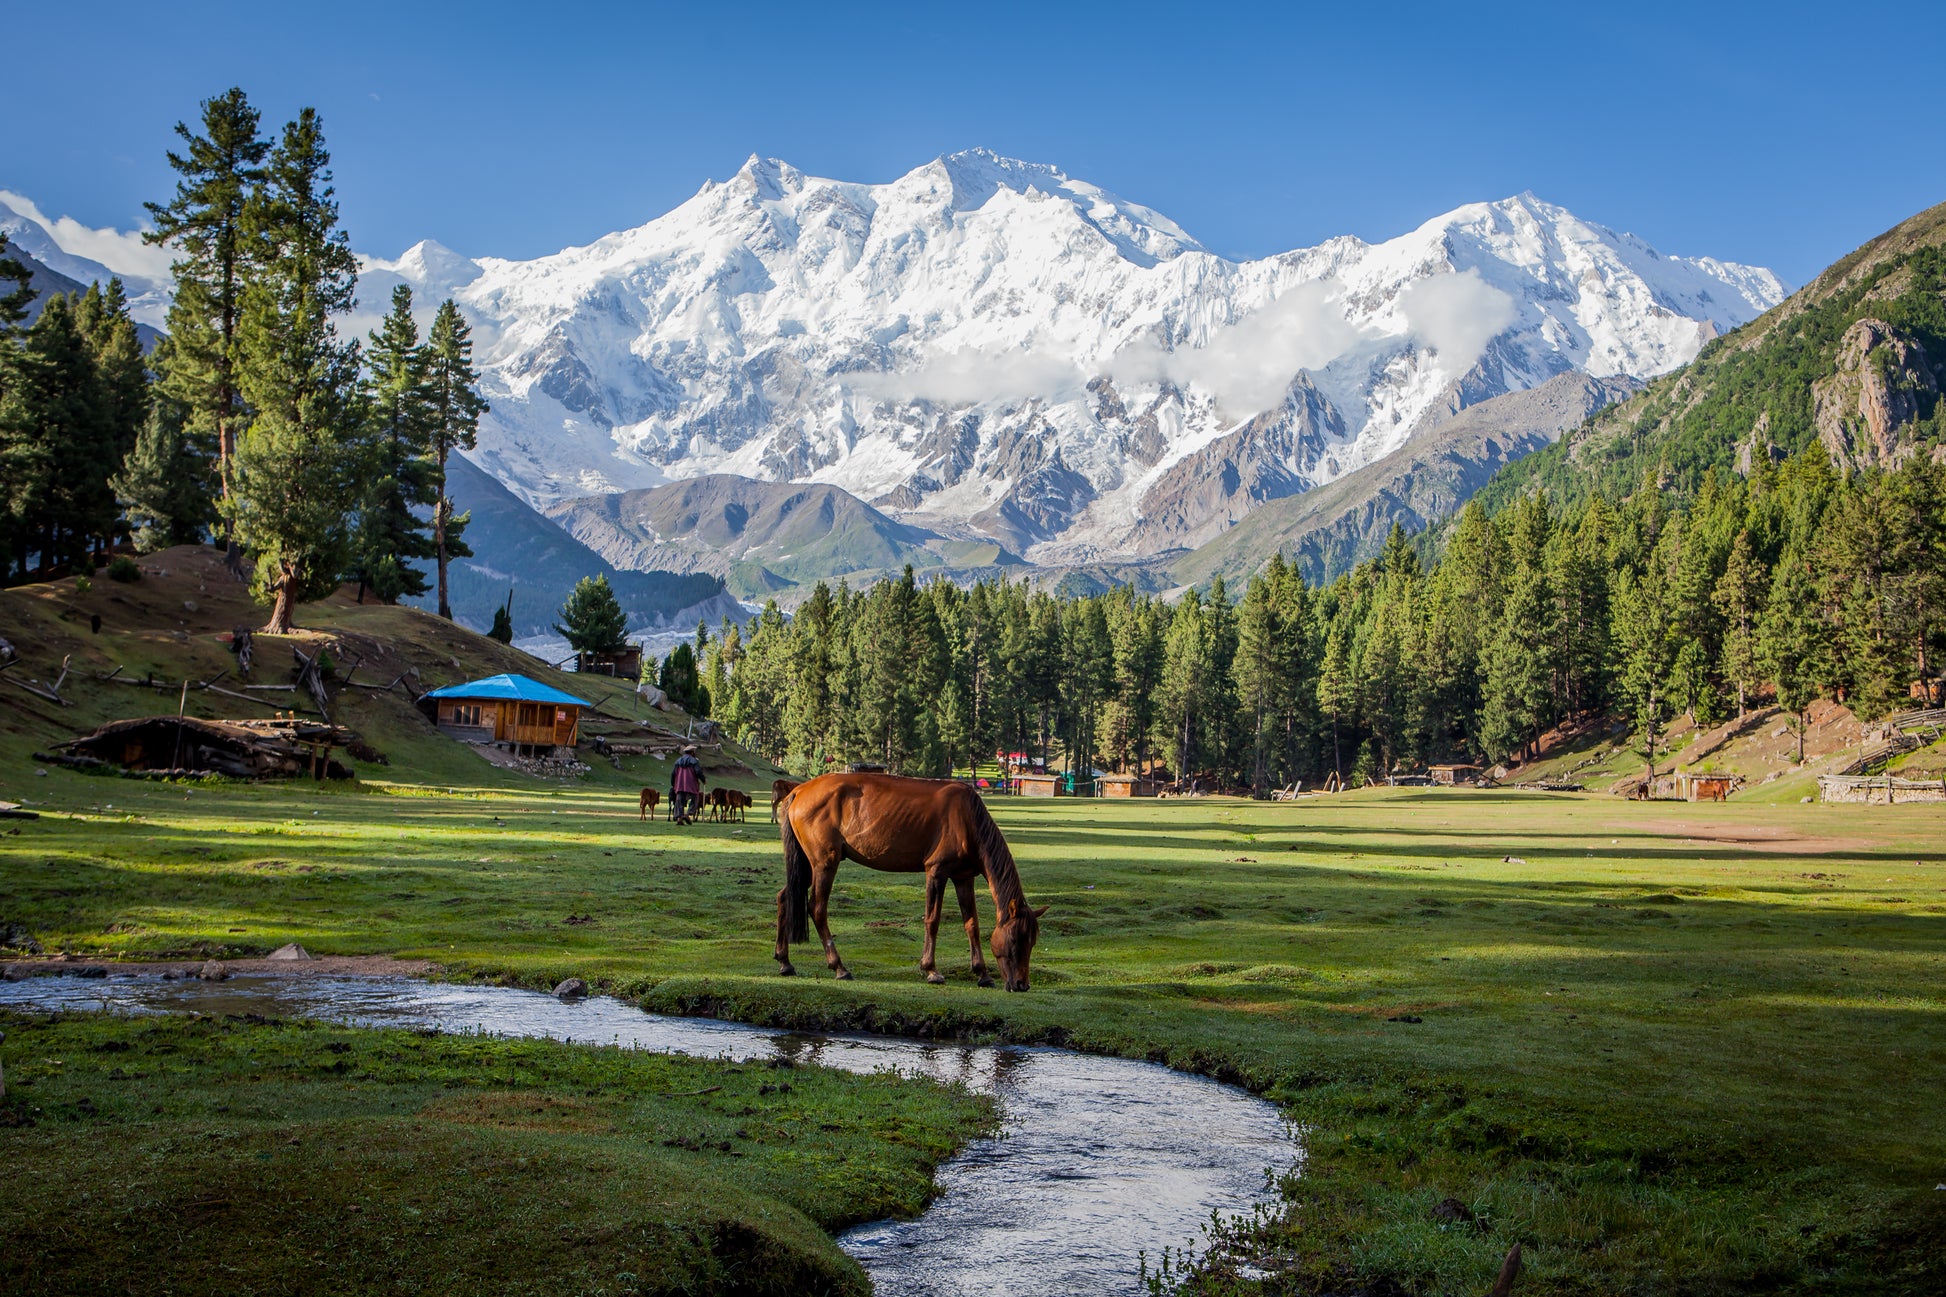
[1099, 1157]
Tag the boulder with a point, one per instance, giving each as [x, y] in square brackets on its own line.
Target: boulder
[213, 971]
[290, 952]
[15, 973]
[572, 989]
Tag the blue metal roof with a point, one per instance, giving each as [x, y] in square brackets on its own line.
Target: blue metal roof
[509, 687]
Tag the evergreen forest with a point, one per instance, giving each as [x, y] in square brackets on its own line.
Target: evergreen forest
[1790, 585]
[316, 458]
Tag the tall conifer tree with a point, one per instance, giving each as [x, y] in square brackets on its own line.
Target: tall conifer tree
[452, 395]
[207, 224]
[294, 480]
[398, 446]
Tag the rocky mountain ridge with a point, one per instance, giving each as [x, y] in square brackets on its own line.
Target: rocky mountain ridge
[994, 351]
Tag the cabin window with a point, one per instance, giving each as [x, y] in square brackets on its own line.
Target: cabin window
[466, 713]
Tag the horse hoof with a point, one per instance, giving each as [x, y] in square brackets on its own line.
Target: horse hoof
[936, 977]
[986, 981]
[843, 974]
[787, 971]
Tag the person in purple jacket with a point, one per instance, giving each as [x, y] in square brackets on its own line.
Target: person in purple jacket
[686, 785]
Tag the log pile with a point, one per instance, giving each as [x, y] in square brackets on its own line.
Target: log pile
[163, 747]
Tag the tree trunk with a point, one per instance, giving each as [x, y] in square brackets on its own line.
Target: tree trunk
[441, 507]
[280, 611]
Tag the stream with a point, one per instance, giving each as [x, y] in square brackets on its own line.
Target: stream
[1099, 1159]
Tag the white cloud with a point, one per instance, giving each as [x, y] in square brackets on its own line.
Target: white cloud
[973, 377]
[1249, 365]
[124, 253]
[1456, 315]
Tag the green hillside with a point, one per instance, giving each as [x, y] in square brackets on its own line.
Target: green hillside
[1777, 385]
[754, 533]
[516, 548]
[1326, 530]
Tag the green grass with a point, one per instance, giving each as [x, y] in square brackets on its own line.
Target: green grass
[1672, 1048]
[176, 1155]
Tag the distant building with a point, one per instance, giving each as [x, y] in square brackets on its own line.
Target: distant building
[626, 664]
[1125, 786]
[515, 712]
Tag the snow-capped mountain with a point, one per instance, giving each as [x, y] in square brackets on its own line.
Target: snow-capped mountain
[87, 256]
[990, 347]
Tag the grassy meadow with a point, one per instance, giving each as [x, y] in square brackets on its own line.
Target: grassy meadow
[1671, 1048]
[295, 1157]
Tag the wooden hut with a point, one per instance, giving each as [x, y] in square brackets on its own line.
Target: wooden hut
[1704, 788]
[1038, 785]
[1125, 786]
[626, 664]
[511, 711]
[1455, 774]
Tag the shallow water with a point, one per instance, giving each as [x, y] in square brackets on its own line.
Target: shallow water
[1099, 1159]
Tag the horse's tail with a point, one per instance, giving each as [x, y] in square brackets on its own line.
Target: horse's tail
[797, 880]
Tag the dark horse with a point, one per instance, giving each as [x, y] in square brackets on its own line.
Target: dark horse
[938, 827]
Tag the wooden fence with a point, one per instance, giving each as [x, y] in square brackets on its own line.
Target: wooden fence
[1885, 790]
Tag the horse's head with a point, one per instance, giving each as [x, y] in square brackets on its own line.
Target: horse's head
[1013, 943]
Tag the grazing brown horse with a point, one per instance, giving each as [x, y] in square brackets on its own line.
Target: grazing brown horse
[740, 803]
[649, 798]
[779, 789]
[938, 827]
[717, 802]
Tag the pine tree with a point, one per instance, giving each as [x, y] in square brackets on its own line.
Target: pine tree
[163, 481]
[15, 301]
[294, 480]
[1337, 689]
[1645, 638]
[207, 224]
[452, 394]
[1739, 600]
[1794, 642]
[120, 368]
[503, 620]
[398, 450]
[592, 620]
[1182, 692]
[680, 680]
[1260, 673]
[55, 441]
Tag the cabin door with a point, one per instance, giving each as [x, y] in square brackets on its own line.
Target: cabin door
[564, 727]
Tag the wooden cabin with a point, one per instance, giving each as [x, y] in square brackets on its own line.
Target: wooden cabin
[1125, 786]
[626, 665]
[1038, 785]
[1455, 774]
[510, 711]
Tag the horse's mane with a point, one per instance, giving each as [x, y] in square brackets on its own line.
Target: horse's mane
[997, 858]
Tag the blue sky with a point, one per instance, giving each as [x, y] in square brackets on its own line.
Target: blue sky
[1779, 134]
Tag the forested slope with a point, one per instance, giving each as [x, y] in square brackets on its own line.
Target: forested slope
[1851, 362]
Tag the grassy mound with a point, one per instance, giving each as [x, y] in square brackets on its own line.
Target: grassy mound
[203, 1155]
